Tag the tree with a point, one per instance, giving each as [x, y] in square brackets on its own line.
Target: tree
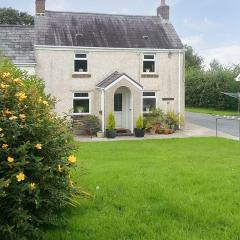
[193, 60]
[15, 17]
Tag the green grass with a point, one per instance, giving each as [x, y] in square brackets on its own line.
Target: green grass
[212, 111]
[176, 189]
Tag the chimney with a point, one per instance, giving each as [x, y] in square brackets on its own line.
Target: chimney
[164, 10]
[40, 7]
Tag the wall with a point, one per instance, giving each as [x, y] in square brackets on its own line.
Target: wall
[56, 67]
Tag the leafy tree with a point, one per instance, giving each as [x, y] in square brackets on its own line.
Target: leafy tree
[193, 60]
[15, 17]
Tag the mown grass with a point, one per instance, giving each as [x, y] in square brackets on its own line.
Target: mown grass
[176, 189]
[212, 111]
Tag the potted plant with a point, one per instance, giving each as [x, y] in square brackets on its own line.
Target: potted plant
[166, 129]
[139, 130]
[111, 131]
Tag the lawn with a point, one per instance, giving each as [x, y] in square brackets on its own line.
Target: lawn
[176, 189]
[212, 111]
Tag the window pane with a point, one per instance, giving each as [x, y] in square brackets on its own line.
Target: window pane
[81, 106]
[80, 66]
[80, 55]
[149, 94]
[118, 103]
[80, 95]
[149, 56]
[149, 104]
[148, 66]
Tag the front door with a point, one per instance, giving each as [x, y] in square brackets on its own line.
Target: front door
[118, 109]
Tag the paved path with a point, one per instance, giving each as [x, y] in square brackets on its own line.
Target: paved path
[209, 121]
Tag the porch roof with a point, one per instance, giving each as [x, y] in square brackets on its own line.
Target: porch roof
[114, 78]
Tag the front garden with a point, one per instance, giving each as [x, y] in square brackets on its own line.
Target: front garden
[156, 189]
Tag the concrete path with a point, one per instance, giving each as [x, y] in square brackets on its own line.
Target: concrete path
[208, 121]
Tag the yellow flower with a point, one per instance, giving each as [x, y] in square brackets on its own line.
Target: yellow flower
[4, 86]
[32, 186]
[20, 177]
[21, 96]
[10, 159]
[38, 146]
[45, 103]
[22, 117]
[1, 129]
[7, 113]
[59, 168]
[72, 159]
[6, 75]
[71, 183]
[5, 146]
[18, 81]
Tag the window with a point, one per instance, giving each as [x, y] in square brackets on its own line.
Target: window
[149, 63]
[118, 102]
[81, 103]
[81, 63]
[149, 101]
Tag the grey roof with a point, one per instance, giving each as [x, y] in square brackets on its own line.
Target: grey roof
[17, 43]
[112, 78]
[105, 30]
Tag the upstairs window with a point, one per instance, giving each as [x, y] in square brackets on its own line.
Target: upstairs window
[149, 63]
[81, 103]
[149, 101]
[81, 63]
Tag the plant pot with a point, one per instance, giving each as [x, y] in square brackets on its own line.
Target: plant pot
[100, 134]
[139, 132]
[110, 133]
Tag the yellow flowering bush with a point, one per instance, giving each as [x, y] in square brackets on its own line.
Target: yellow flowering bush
[35, 156]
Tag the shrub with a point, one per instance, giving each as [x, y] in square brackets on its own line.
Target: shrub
[139, 124]
[35, 153]
[111, 125]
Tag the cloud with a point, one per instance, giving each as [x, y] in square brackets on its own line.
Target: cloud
[226, 55]
[205, 23]
[192, 40]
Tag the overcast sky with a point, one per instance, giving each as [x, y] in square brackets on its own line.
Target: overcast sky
[210, 26]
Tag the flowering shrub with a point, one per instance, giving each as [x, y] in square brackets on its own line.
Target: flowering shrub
[35, 156]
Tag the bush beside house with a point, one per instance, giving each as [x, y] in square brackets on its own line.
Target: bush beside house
[36, 156]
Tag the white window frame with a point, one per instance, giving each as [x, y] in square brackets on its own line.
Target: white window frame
[148, 97]
[81, 98]
[149, 60]
[80, 58]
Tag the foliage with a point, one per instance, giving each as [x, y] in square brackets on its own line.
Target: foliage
[139, 124]
[204, 88]
[14, 17]
[193, 60]
[89, 124]
[168, 189]
[111, 125]
[35, 153]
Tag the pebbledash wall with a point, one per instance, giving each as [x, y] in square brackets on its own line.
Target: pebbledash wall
[56, 66]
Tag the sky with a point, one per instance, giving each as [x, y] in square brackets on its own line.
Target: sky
[211, 27]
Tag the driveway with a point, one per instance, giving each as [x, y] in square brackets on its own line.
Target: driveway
[209, 121]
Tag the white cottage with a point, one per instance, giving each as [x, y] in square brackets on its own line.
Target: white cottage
[101, 63]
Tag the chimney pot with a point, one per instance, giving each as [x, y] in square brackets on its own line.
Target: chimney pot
[164, 10]
[40, 7]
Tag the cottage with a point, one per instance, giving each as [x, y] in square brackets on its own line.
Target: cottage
[101, 63]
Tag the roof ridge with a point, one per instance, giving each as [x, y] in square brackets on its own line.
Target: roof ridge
[103, 14]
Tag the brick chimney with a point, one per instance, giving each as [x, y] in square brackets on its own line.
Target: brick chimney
[40, 7]
[164, 10]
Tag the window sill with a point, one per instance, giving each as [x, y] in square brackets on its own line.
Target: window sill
[81, 75]
[149, 75]
[80, 114]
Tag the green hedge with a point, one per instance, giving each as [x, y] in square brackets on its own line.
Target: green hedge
[204, 88]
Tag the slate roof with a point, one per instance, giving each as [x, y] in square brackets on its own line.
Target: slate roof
[17, 43]
[112, 78]
[105, 30]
